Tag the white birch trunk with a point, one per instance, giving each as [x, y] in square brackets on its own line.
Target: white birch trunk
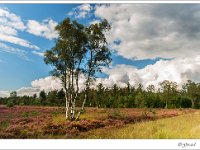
[82, 107]
[67, 107]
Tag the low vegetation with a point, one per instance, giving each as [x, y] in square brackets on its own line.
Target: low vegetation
[49, 122]
[179, 127]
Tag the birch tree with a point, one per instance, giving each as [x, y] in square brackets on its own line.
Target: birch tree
[66, 57]
[79, 50]
[98, 54]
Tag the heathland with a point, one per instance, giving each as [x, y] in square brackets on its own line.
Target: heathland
[49, 122]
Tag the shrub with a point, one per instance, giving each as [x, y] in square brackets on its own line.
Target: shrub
[4, 124]
[21, 104]
[35, 113]
[54, 129]
[25, 114]
[10, 103]
[115, 114]
[186, 102]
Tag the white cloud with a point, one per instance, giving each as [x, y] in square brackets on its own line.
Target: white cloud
[81, 11]
[12, 50]
[17, 41]
[4, 93]
[85, 7]
[95, 21]
[44, 29]
[28, 91]
[47, 84]
[38, 53]
[10, 24]
[153, 30]
[7, 30]
[10, 19]
[177, 70]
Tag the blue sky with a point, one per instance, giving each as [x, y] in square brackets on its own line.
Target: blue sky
[17, 72]
[149, 43]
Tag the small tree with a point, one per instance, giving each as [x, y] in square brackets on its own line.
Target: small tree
[13, 94]
[79, 50]
[98, 54]
[169, 90]
[43, 97]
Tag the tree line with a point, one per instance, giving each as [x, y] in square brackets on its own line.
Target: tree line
[167, 96]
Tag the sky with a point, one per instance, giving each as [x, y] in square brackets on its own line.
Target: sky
[150, 43]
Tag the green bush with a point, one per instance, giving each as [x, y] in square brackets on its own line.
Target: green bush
[10, 103]
[21, 104]
[115, 114]
[25, 114]
[186, 102]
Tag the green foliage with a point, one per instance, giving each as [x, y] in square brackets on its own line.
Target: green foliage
[35, 113]
[28, 114]
[185, 102]
[115, 114]
[4, 124]
[140, 100]
[43, 96]
[78, 50]
[10, 103]
[128, 97]
[25, 114]
[13, 94]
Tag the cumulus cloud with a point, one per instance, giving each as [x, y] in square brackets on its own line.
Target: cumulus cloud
[81, 11]
[176, 70]
[52, 83]
[46, 28]
[47, 84]
[153, 30]
[28, 91]
[4, 94]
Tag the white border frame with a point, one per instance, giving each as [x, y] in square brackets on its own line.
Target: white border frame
[100, 144]
[97, 2]
[114, 144]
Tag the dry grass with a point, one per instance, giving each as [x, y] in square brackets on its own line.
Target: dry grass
[179, 127]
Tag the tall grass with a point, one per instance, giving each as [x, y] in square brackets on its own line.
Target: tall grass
[180, 127]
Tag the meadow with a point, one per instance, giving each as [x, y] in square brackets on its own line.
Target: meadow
[39, 122]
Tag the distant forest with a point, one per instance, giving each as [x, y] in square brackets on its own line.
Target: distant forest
[167, 96]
